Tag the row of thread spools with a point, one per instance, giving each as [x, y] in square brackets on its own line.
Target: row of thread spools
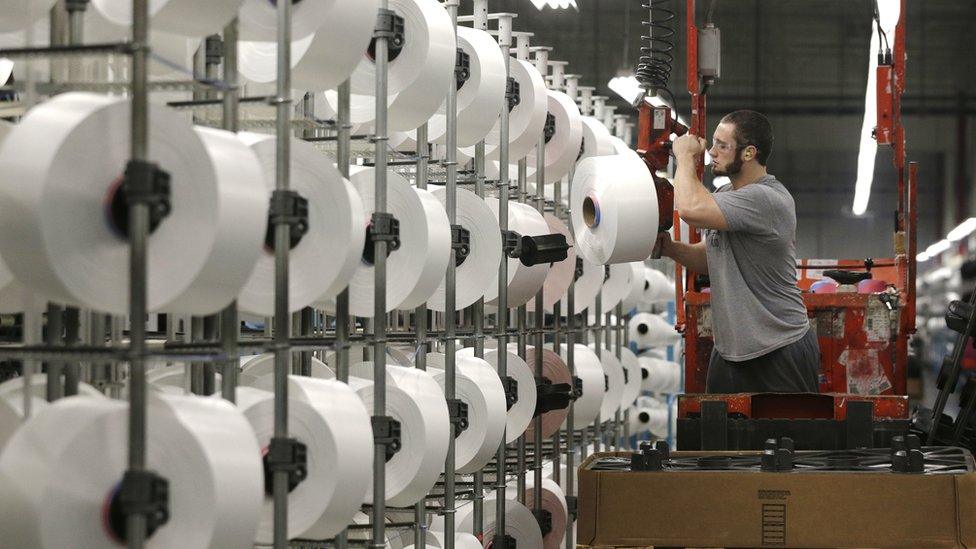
[60, 469]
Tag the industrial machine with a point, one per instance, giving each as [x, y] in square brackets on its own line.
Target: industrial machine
[863, 336]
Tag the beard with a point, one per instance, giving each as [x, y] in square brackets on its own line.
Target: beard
[732, 169]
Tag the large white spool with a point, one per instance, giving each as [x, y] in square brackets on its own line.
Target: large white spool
[12, 415]
[258, 371]
[419, 76]
[651, 330]
[62, 467]
[614, 372]
[520, 523]
[561, 274]
[324, 260]
[60, 169]
[480, 98]
[414, 399]
[242, 216]
[259, 18]
[477, 385]
[564, 147]
[615, 210]
[523, 282]
[520, 415]
[417, 268]
[321, 60]
[614, 289]
[590, 371]
[662, 376]
[555, 370]
[632, 367]
[329, 418]
[182, 17]
[596, 138]
[526, 120]
[480, 269]
[636, 286]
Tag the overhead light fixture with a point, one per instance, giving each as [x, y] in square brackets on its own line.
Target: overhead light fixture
[938, 248]
[922, 257]
[555, 4]
[889, 11]
[626, 87]
[963, 230]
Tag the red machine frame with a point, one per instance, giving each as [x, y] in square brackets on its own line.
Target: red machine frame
[862, 352]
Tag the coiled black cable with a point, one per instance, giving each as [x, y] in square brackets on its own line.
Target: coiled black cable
[656, 59]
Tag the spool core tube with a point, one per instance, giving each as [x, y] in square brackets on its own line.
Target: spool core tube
[591, 212]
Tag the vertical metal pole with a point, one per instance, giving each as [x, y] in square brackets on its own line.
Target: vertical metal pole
[423, 155]
[570, 432]
[618, 350]
[342, 301]
[282, 321]
[540, 188]
[597, 346]
[72, 336]
[522, 43]
[478, 309]
[505, 43]
[55, 368]
[230, 325]
[379, 311]
[138, 235]
[450, 314]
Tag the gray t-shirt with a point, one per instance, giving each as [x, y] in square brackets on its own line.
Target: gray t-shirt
[756, 305]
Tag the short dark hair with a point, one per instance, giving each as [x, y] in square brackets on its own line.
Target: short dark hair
[752, 128]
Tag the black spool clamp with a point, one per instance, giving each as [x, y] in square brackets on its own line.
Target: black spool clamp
[289, 455]
[511, 391]
[551, 396]
[143, 183]
[535, 250]
[140, 492]
[391, 26]
[287, 208]
[386, 431]
[383, 227]
[461, 243]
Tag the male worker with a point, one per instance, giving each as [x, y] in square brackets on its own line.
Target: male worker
[763, 340]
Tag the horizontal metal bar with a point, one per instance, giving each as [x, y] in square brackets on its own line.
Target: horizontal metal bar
[125, 48]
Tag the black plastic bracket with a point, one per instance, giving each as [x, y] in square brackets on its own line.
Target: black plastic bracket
[458, 412]
[461, 242]
[860, 424]
[140, 492]
[550, 129]
[572, 505]
[462, 68]
[579, 269]
[606, 273]
[551, 396]
[391, 26]
[513, 93]
[512, 244]
[382, 227]
[908, 461]
[577, 390]
[285, 454]
[511, 391]
[214, 48]
[544, 518]
[547, 248]
[143, 183]
[287, 208]
[626, 377]
[386, 431]
[606, 383]
[777, 456]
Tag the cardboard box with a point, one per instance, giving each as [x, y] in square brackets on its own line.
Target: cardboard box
[752, 509]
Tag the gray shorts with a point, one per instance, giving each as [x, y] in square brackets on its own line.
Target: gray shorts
[794, 368]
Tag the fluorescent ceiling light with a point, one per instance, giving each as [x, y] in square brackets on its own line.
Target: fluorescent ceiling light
[964, 229]
[938, 248]
[922, 257]
[889, 11]
[555, 4]
[626, 87]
